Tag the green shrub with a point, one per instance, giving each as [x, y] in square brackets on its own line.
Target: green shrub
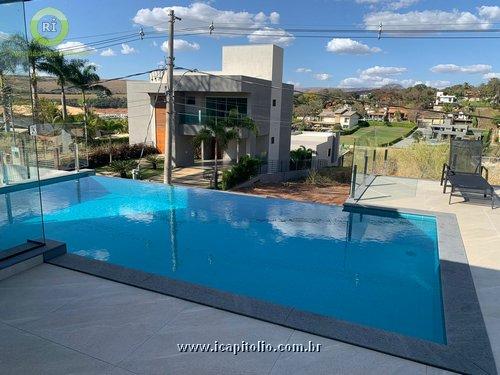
[154, 160]
[123, 167]
[350, 131]
[99, 156]
[242, 171]
[363, 124]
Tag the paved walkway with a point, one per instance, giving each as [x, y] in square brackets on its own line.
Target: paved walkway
[480, 229]
[59, 321]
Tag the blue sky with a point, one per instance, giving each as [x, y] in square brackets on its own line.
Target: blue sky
[325, 62]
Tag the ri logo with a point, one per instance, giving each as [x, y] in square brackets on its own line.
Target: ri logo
[49, 26]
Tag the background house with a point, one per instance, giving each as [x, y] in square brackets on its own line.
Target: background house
[349, 119]
[250, 82]
[441, 98]
[345, 116]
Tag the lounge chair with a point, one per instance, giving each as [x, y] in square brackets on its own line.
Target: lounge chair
[464, 171]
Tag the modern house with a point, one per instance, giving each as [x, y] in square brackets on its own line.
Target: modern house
[250, 82]
[449, 130]
[441, 98]
[326, 145]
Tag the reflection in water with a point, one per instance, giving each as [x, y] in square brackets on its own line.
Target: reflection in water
[311, 257]
[173, 229]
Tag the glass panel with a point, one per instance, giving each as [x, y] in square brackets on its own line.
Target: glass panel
[20, 200]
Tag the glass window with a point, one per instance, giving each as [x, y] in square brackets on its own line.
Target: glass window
[221, 106]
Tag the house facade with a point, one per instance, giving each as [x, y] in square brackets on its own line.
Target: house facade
[441, 98]
[344, 116]
[250, 83]
[326, 145]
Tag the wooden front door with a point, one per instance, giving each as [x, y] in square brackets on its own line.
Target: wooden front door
[160, 119]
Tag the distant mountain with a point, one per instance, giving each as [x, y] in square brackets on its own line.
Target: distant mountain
[48, 85]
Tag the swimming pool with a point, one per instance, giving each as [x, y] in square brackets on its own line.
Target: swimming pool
[371, 268]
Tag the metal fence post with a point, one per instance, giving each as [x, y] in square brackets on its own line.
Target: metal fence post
[374, 160]
[385, 161]
[77, 158]
[353, 180]
[365, 168]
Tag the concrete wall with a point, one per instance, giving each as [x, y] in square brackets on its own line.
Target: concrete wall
[254, 72]
[263, 61]
[140, 98]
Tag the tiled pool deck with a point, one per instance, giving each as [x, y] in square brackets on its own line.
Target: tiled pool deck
[479, 227]
[57, 321]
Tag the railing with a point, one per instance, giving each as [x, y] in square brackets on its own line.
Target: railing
[367, 162]
[419, 161]
[60, 147]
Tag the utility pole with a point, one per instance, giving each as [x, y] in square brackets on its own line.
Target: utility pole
[170, 117]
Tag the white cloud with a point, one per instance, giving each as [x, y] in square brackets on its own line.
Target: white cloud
[390, 4]
[108, 52]
[198, 13]
[296, 84]
[491, 75]
[491, 13]
[383, 71]
[72, 48]
[274, 18]
[303, 70]
[402, 4]
[378, 81]
[376, 76]
[127, 50]
[181, 45]
[322, 76]
[422, 19]
[349, 46]
[271, 35]
[439, 84]
[466, 69]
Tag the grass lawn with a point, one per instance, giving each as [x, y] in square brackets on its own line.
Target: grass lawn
[374, 135]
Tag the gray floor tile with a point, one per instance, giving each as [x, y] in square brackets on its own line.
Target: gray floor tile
[23, 353]
[160, 354]
[340, 358]
[107, 331]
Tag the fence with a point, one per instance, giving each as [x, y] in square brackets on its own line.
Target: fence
[60, 147]
[278, 166]
[420, 161]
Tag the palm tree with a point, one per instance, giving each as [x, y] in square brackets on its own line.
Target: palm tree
[222, 131]
[33, 54]
[84, 77]
[8, 63]
[56, 65]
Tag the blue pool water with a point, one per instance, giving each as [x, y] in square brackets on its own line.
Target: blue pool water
[368, 267]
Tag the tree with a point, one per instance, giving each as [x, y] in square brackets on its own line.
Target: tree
[33, 54]
[448, 108]
[84, 77]
[56, 65]
[223, 130]
[8, 63]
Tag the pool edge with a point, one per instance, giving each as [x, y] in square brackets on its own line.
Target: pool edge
[468, 349]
